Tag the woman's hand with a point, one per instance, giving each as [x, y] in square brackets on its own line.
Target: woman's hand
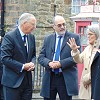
[73, 44]
[86, 84]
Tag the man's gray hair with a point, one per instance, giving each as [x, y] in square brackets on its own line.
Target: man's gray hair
[25, 17]
[96, 30]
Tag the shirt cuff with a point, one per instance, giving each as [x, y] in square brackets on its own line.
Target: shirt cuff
[22, 68]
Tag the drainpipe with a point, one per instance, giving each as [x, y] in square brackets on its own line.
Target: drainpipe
[55, 8]
[2, 32]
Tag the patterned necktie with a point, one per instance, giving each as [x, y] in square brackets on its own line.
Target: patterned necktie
[25, 44]
[57, 54]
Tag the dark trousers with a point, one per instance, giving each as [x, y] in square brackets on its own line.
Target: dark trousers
[57, 85]
[1, 91]
[24, 92]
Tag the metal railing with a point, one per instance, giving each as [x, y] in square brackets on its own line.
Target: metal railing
[37, 76]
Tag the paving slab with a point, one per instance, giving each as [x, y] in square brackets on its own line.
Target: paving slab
[36, 96]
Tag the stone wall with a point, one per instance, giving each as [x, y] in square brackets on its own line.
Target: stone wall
[44, 12]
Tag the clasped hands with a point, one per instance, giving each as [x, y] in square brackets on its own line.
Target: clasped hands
[29, 66]
[54, 64]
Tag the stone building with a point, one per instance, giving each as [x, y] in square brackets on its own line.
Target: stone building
[44, 10]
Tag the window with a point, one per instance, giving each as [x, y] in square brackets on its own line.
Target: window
[83, 35]
[76, 4]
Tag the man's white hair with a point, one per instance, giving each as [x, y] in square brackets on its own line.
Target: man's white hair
[25, 17]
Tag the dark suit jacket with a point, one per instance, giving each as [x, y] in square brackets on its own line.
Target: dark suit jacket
[14, 56]
[95, 77]
[69, 68]
[0, 65]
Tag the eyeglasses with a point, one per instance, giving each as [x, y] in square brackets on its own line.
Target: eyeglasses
[90, 34]
[60, 25]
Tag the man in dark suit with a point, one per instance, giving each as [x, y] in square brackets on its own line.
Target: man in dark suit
[95, 76]
[60, 73]
[1, 87]
[18, 54]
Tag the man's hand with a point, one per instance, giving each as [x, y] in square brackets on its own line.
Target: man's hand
[29, 66]
[54, 64]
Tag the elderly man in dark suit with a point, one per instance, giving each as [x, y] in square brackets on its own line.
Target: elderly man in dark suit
[18, 53]
[60, 70]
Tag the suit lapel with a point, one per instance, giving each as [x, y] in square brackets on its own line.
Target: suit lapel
[20, 41]
[19, 38]
[29, 45]
[96, 55]
[53, 41]
[65, 40]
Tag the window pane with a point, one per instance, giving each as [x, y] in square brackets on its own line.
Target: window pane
[76, 4]
[83, 35]
[77, 9]
[73, 9]
[83, 2]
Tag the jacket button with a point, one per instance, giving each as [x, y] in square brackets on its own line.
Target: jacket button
[85, 68]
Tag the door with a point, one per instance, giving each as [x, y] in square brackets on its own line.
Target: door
[81, 29]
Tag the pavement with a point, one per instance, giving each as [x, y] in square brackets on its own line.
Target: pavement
[36, 96]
